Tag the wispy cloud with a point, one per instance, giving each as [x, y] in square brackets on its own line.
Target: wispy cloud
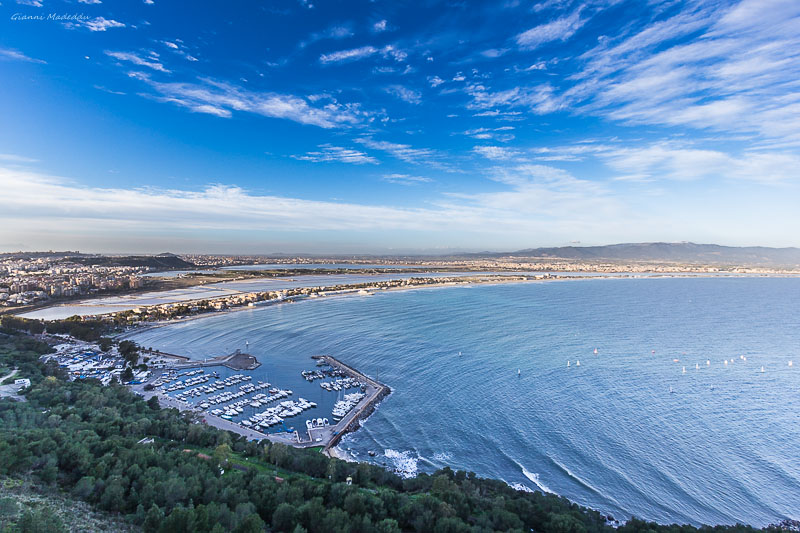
[404, 152]
[676, 161]
[531, 199]
[16, 55]
[741, 73]
[405, 179]
[539, 99]
[337, 31]
[356, 54]
[501, 134]
[557, 30]
[353, 54]
[222, 99]
[328, 152]
[380, 26]
[403, 93]
[137, 60]
[496, 153]
[101, 24]
[13, 158]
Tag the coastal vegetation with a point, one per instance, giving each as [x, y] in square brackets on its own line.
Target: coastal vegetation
[165, 471]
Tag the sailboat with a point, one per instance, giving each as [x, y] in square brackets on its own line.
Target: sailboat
[577, 363]
[519, 372]
[762, 369]
[595, 351]
[684, 370]
[790, 363]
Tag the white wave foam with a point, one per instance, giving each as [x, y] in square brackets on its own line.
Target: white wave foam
[519, 486]
[443, 457]
[585, 483]
[535, 478]
[405, 465]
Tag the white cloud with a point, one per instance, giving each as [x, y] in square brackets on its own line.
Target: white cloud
[100, 24]
[90, 1]
[379, 26]
[13, 158]
[348, 55]
[136, 60]
[404, 152]
[675, 161]
[496, 153]
[493, 53]
[407, 95]
[539, 99]
[34, 3]
[739, 72]
[435, 81]
[498, 134]
[171, 45]
[556, 30]
[329, 152]
[405, 179]
[221, 99]
[7, 53]
[51, 209]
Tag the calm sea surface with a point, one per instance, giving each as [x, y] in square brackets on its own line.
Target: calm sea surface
[626, 432]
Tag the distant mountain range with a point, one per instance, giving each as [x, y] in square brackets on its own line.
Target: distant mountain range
[682, 252]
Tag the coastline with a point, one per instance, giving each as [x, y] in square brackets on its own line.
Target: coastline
[469, 278]
[337, 450]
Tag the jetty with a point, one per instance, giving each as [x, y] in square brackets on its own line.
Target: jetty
[329, 436]
[235, 361]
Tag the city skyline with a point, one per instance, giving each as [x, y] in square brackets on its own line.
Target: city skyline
[369, 127]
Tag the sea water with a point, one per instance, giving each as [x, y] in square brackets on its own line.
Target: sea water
[481, 382]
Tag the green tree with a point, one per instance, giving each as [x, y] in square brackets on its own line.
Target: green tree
[222, 453]
[283, 519]
[37, 521]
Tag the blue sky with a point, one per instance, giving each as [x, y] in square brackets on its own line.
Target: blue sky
[394, 127]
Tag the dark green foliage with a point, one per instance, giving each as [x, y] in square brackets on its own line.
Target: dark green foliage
[39, 520]
[83, 438]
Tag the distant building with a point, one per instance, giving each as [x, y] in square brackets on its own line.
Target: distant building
[22, 383]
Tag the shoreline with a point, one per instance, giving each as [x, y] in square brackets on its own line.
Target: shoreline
[351, 291]
[532, 275]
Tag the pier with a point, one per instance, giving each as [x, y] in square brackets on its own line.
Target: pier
[235, 361]
[376, 391]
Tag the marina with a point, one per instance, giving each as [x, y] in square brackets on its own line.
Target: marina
[260, 410]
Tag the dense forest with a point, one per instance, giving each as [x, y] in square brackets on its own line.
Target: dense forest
[158, 470]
